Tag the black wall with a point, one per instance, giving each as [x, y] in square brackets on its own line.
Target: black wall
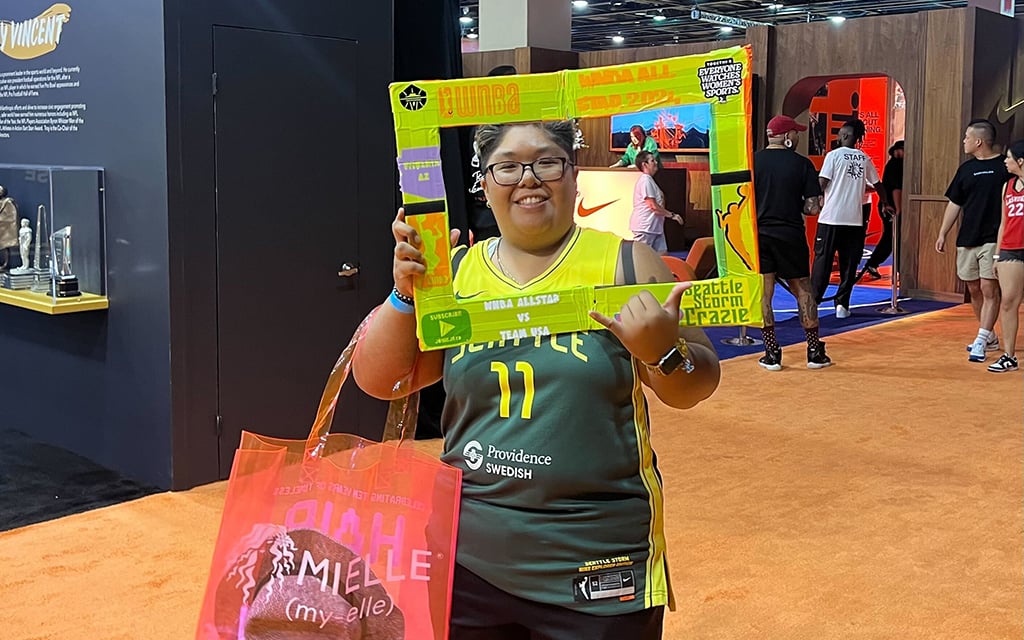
[98, 383]
[190, 147]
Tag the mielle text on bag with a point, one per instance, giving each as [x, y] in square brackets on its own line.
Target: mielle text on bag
[335, 536]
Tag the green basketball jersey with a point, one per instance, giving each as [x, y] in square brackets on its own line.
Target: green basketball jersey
[561, 497]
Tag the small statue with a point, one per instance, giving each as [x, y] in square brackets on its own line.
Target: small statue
[24, 246]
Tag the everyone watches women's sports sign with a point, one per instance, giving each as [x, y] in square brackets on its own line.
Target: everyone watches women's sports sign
[447, 318]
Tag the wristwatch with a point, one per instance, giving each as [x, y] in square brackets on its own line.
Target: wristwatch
[677, 358]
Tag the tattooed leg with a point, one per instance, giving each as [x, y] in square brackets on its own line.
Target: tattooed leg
[801, 288]
[766, 300]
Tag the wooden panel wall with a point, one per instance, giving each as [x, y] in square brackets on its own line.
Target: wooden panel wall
[933, 274]
[479, 63]
[937, 131]
[547, 60]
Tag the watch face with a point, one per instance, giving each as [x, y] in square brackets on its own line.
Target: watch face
[672, 362]
[677, 358]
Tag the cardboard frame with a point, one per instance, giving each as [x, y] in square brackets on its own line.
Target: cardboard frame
[421, 109]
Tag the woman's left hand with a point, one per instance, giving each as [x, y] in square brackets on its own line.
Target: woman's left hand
[647, 328]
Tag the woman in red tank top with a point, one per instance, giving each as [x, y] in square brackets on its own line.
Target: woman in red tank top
[1010, 260]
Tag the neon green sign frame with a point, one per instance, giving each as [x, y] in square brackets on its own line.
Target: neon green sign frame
[720, 78]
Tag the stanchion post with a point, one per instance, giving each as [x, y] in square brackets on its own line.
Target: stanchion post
[743, 340]
[894, 307]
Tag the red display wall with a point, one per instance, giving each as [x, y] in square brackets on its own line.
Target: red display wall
[839, 101]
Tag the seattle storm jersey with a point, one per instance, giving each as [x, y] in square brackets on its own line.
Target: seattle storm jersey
[561, 498]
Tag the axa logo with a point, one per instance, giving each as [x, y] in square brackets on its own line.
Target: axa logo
[34, 37]
[583, 211]
[474, 454]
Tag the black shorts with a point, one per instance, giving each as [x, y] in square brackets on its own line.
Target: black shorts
[788, 257]
[481, 611]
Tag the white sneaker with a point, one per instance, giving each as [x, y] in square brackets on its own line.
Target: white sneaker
[842, 312]
[991, 345]
[977, 351]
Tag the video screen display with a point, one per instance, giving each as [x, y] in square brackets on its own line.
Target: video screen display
[685, 128]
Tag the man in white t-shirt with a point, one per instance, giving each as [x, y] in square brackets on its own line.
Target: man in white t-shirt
[846, 174]
[647, 221]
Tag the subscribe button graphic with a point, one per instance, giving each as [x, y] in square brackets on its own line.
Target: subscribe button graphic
[450, 327]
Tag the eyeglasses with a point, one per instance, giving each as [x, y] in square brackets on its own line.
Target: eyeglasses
[510, 172]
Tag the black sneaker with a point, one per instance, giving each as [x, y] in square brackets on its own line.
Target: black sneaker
[817, 359]
[1005, 363]
[771, 360]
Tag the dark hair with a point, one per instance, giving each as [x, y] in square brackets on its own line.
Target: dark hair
[856, 127]
[984, 130]
[1017, 150]
[489, 136]
[642, 157]
[502, 70]
[639, 131]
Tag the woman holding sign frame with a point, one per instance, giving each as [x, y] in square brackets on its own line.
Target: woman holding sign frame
[561, 527]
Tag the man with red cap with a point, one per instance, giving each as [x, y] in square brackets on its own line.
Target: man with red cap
[785, 190]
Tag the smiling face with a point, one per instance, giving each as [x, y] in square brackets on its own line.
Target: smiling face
[532, 215]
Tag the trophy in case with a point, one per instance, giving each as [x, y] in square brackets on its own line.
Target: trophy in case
[41, 270]
[65, 283]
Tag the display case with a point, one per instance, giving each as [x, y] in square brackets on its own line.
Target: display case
[52, 241]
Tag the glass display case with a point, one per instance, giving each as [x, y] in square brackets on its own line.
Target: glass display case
[52, 241]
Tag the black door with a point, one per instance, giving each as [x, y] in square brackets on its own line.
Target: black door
[286, 188]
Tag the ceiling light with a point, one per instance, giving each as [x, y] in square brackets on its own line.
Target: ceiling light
[618, 39]
[472, 36]
[466, 20]
[659, 18]
[775, 6]
[726, 29]
[837, 19]
[579, 4]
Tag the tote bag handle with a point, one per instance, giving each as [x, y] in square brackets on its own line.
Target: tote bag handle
[401, 420]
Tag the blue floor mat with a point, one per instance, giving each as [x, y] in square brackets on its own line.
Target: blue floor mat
[865, 301]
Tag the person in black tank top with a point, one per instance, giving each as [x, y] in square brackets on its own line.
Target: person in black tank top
[532, 393]
[785, 190]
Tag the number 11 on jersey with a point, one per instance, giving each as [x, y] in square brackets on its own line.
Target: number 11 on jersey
[526, 369]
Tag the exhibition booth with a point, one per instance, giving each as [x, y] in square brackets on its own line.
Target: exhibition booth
[219, 252]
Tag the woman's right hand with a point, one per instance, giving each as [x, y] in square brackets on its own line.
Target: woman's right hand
[409, 261]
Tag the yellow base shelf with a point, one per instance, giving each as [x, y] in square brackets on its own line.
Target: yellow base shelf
[44, 303]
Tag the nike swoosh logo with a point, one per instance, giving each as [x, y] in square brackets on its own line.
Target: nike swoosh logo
[461, 296]
[583, 212]
[1012, 106]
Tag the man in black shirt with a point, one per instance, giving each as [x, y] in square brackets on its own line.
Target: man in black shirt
[892, 180]
[785, 190]
[976, 190]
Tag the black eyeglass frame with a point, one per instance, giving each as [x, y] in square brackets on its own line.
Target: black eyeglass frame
[566, 162]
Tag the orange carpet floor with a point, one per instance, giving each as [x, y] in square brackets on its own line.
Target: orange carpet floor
[878, 499]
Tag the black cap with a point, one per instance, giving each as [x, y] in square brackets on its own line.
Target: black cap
[896, 146]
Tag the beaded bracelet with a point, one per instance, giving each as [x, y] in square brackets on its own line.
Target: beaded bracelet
[401, 302]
